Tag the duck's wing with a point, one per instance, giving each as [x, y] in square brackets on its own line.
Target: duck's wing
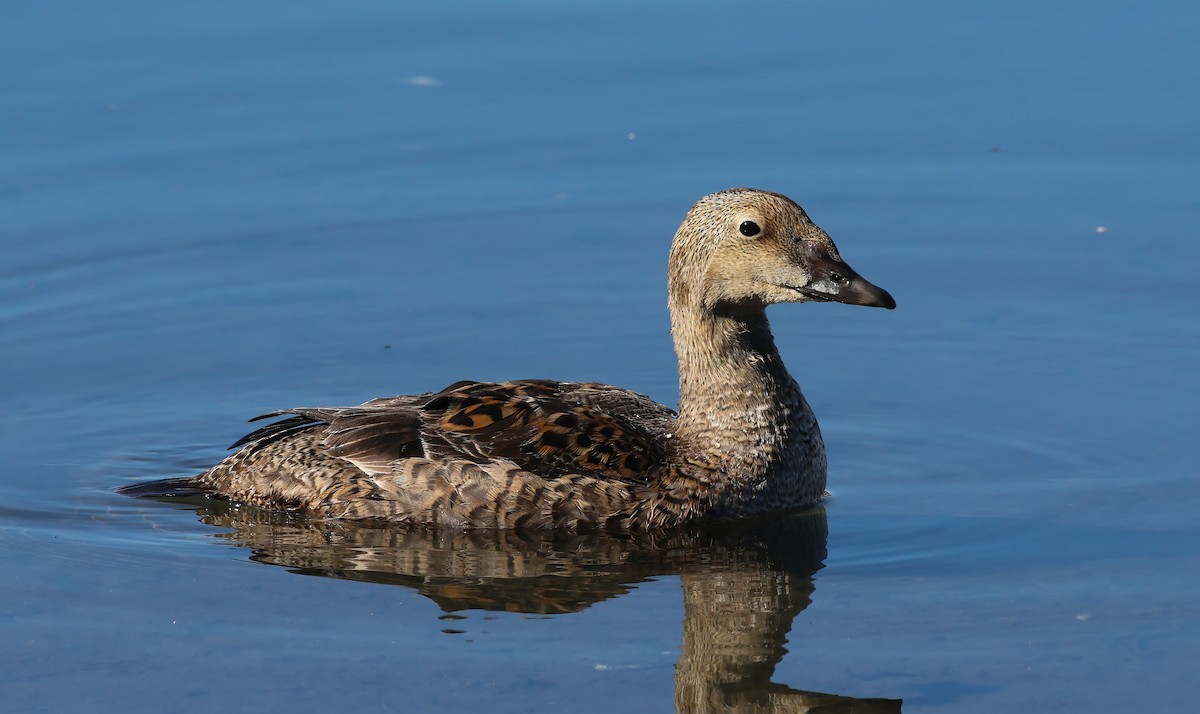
[377, 433]
[548, 428]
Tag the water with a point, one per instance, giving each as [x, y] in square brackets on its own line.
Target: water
[212, 212]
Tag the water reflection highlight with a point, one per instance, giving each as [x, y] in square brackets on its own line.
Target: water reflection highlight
[743, 585]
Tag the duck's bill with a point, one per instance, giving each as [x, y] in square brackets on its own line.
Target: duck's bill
[849, 287]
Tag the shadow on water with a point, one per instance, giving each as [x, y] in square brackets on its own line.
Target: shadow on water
[743, 585]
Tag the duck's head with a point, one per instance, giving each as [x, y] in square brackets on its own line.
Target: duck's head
[744, 248]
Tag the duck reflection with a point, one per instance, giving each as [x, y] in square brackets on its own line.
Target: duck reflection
[743, 584]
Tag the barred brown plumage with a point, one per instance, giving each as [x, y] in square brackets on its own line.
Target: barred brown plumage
[534, 454]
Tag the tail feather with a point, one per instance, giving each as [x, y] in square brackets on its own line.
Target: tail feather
[163, 487]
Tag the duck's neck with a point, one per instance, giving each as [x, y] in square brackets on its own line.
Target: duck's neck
[740, 412]
[726, 358]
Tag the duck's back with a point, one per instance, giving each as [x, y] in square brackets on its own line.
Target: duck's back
[531, 453]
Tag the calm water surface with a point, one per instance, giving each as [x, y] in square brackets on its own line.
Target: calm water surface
[207, 213]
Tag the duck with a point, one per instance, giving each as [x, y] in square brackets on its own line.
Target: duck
[540, 454]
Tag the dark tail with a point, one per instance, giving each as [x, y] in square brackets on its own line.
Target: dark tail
[163, 488]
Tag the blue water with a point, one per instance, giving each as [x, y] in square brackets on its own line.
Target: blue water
[207, 212]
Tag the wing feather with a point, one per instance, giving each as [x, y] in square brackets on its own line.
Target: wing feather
[548, 428]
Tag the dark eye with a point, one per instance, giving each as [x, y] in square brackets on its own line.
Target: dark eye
[749, 228]
[838, 278]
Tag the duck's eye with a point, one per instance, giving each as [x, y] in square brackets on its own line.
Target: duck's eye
[838, 278]
[749, 228]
